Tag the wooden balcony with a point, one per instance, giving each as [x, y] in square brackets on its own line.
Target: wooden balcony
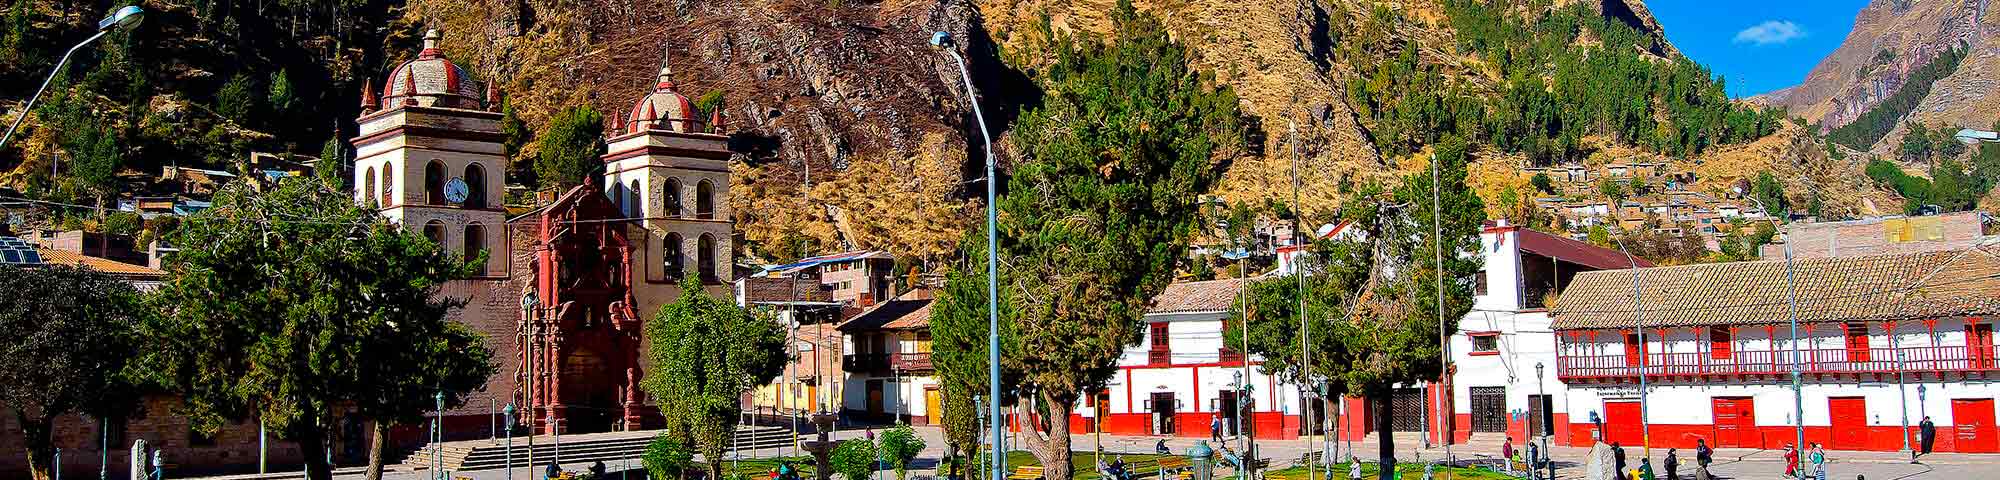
[1819, 361]
[913, 362]
[1159, 357]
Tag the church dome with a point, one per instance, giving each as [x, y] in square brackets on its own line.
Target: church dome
[431, 81]
[663, 109]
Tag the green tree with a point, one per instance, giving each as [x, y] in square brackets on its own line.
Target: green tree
[1429, 240]
[959, 347]
[667, 457]
[853, 459]
[704, 354]
[123, 223]
[332, 167]
[1768, 190]
[517, 137]
[1611, 190]
[1127, 138]
[900, 446]
[571, 148]
[1542, 183]
[283, 96]
[71, 334]
[237, 100]
[270, 319]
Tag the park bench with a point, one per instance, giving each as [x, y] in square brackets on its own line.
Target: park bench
[1311, 458]
[1026, 472]
[1175, 467]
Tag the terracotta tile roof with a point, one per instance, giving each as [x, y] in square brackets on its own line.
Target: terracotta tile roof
[1203, 296]
[1882, 287]
[910, 311]
[113, 267]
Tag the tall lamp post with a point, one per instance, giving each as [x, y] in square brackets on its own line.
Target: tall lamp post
[1792, 314]
[1638, 323]
[943, 41]
[122, 20]
[509, 420]
[1541, 426]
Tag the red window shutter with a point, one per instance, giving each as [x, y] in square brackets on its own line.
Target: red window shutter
[1857, 342]
[1719, 343]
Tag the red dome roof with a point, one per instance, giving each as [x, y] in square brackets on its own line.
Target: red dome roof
[663, 109]
[432, 81]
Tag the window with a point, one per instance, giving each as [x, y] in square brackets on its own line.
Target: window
[704, 200]
[616, 194]
[1162, 353]
[705, 248]
[671, 257]
[434, 183]
[434, 231]
[672, 196]
[1485, 342]
[1720, 346]
[475, 242]
[369, 181]
[1479, 283]
[634, 199]
[388, 185]
[475, 186]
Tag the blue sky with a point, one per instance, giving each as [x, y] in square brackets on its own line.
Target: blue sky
[1757, 45]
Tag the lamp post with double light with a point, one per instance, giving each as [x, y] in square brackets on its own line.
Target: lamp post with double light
[122, 20]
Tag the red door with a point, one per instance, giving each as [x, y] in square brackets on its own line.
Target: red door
[1972, 423]
[1979, 343]
[1621, 423]
[1849, 421]
[1633, 350]
[1735, 422]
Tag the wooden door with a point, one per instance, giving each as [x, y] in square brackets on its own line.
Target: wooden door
[1735, 422]
[1849, 421]
[933, 406]
[1489, 409]
[1979, 345]
[1162, 405]
[1225, 405]
[1972, 423]
[1621, 423]
[875, 398]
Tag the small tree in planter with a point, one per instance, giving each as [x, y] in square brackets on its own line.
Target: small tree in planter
[667, 458]
[854, 459]
[901, 445]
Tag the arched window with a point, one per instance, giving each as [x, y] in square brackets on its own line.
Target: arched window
[704, 200]
[368, 179]
[635, 200]
[434, 183]
[475, 242]
[617, 194]
[671, 256]
[475, 183]
[672, 194]
[434, 230]
[705, 248]
[388, 185]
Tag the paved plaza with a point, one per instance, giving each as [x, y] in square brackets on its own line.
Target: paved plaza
[1730, 463]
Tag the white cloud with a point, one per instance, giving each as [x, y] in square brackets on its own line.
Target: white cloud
[1771, 32]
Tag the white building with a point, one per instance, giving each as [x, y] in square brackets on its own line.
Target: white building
[1497, 387]
[1886, 340]
[888, 361]
[1180, 376]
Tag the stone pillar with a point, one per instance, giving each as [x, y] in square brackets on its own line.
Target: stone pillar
[631, 406]
[139, 470]
[554, 363]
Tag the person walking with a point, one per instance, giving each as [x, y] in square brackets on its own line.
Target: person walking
[1926, 434]
[159, 464]
[1507, 454]
[1215, 427]
[1673, 464]
[1618, 460]
[1702, 454]
[1818, 462]
[1791, 461]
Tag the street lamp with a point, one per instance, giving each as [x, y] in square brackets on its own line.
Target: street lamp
[122, 20]
[508, 413]
[1645, 423]
[1540, 425]
[1792, 312]
[943, 41]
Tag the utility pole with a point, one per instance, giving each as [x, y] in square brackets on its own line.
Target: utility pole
[1301, 241]
[1444, 338]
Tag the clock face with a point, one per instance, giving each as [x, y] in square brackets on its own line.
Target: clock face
[455, 190]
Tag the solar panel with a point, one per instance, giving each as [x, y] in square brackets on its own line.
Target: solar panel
[15, 251]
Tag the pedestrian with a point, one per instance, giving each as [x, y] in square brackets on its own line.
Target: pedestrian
[159, 464]
[1507, 454]
[1818, 462]
[1702, 454]
[1646, 468]
[1618, 460]
[553, 471]
[1598, 425]
[1926, 433]
[1791, 461]
[1533, 463]
[1215, 427]
[1353, 470]
[1673, 464]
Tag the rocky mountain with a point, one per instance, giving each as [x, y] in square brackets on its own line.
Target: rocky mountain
[1891, 42]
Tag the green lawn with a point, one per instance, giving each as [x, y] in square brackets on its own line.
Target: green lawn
[761, 467]
[1083, 466]
[1408, 471]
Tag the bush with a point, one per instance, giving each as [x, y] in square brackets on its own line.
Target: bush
[854, 459]
[122, 223]
[667, 458]
[901, 445]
